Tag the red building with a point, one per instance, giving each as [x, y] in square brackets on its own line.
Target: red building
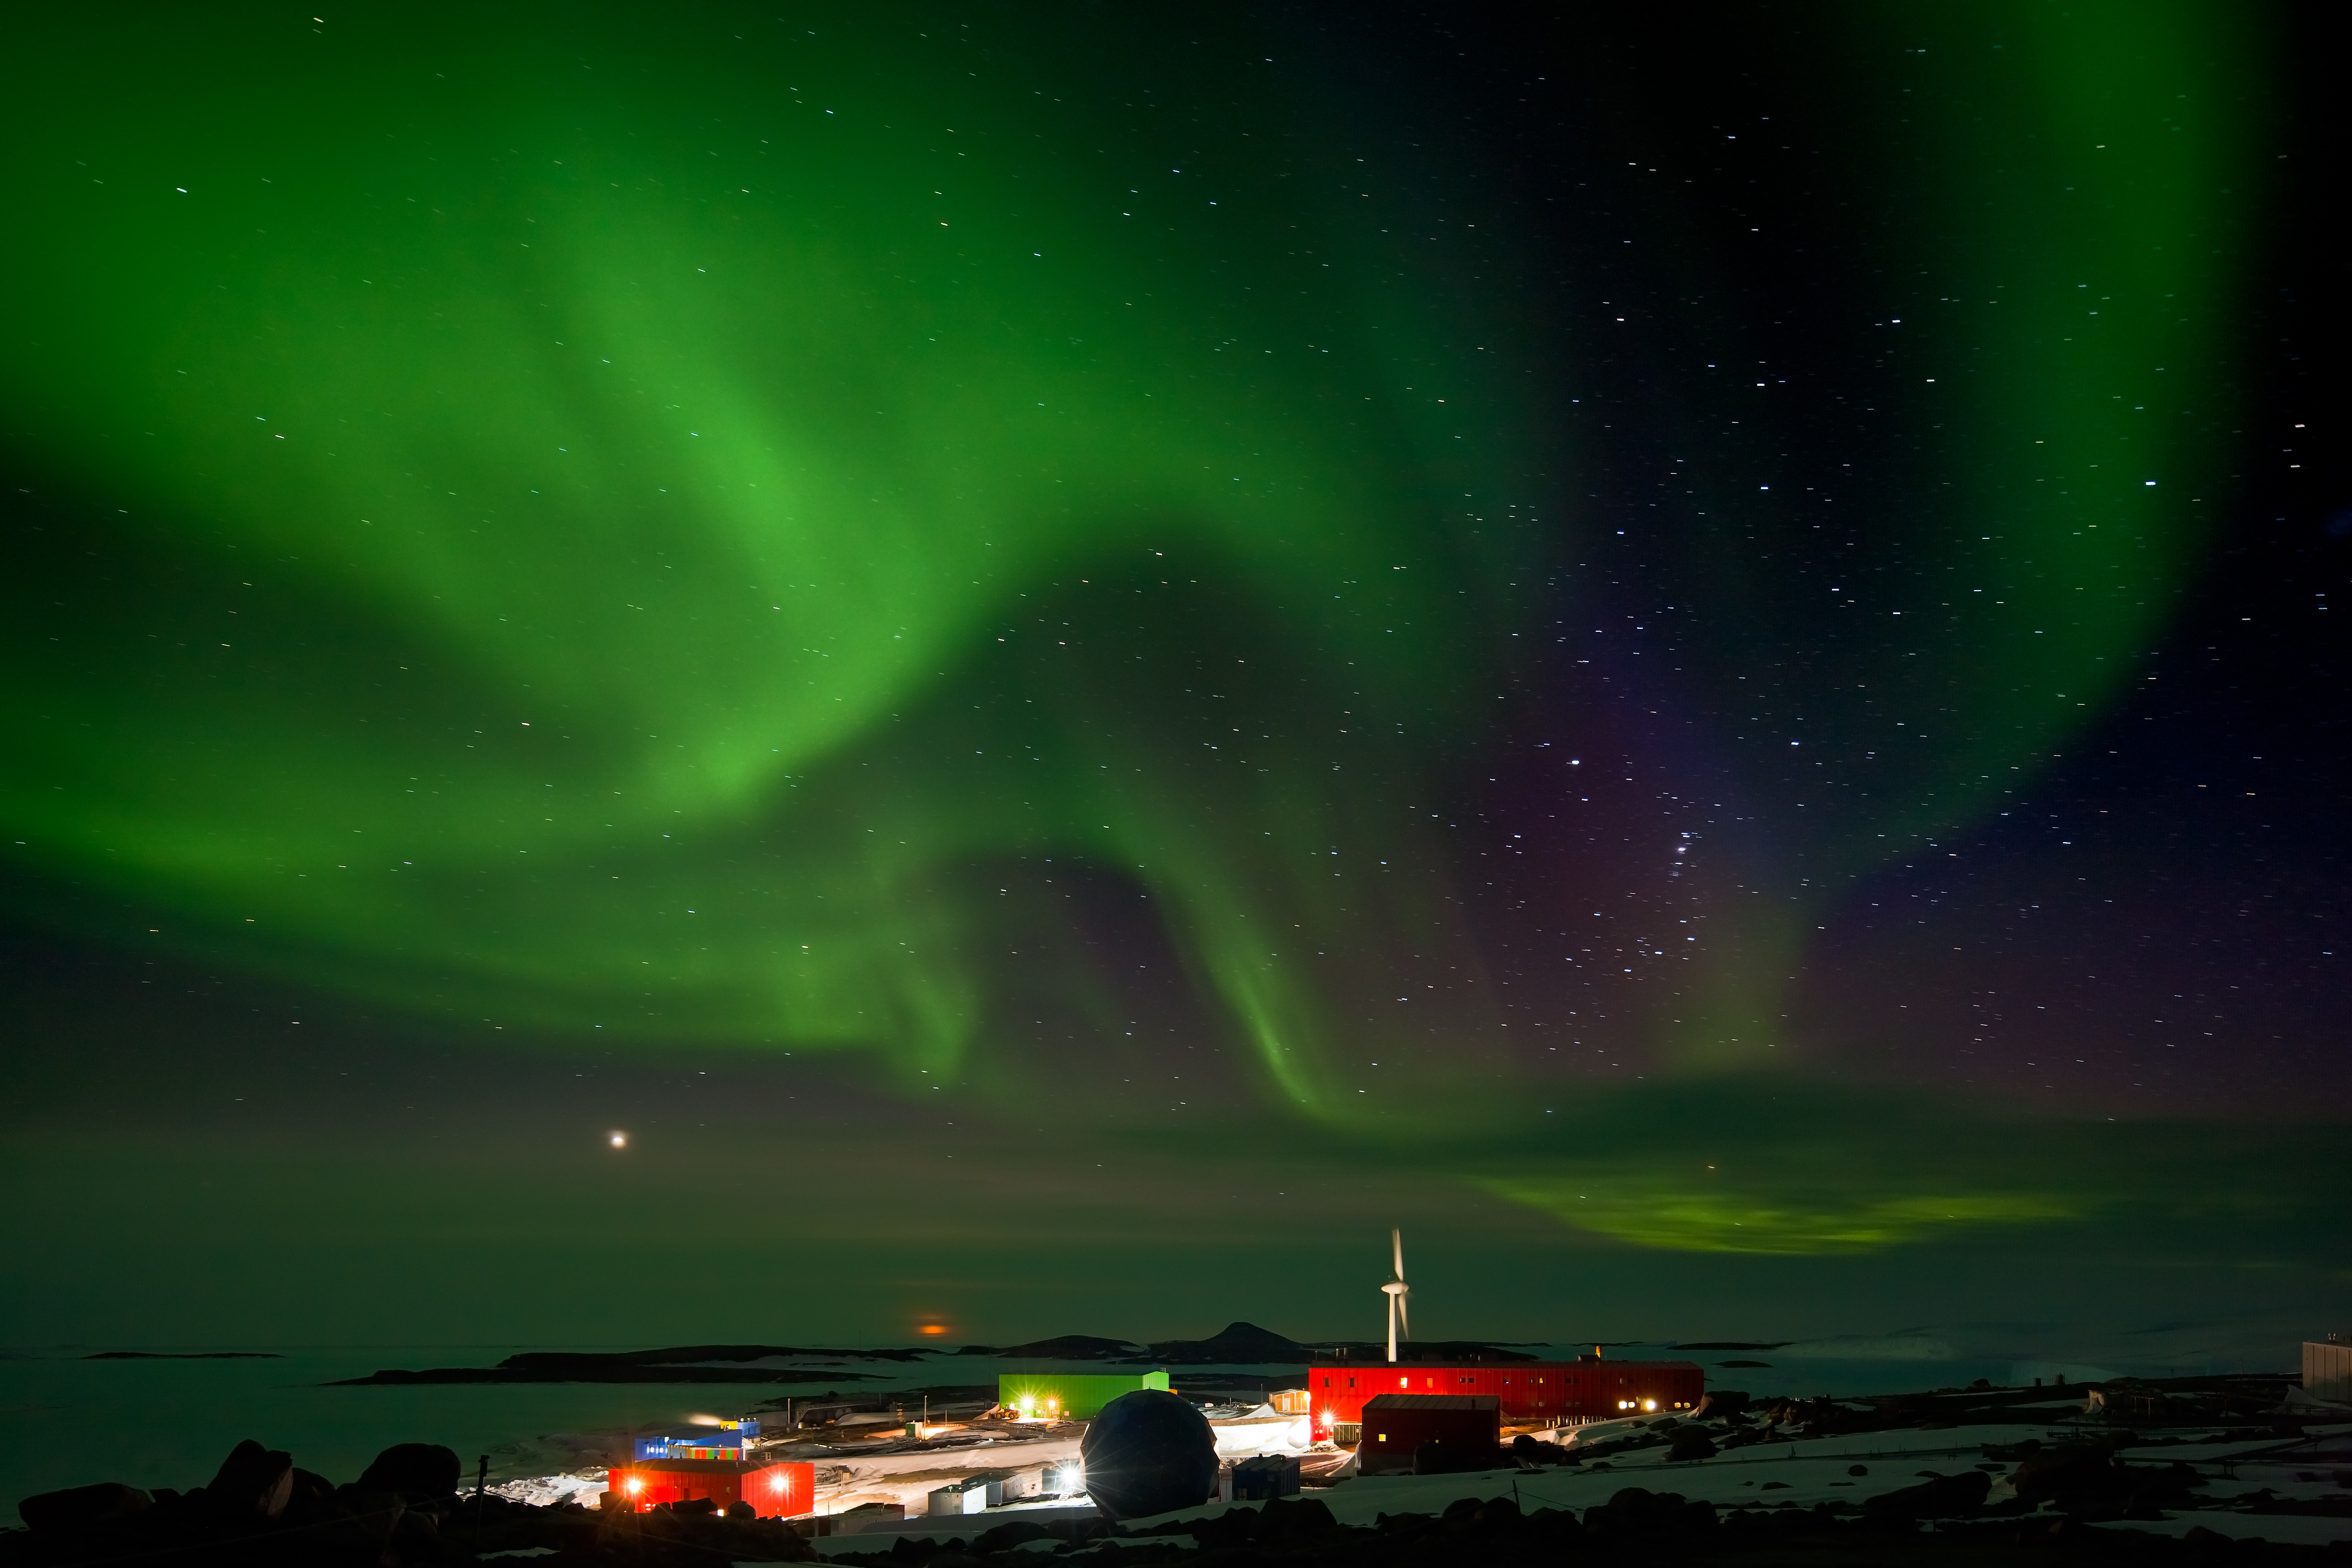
[1528, 1393]
[785, 1489]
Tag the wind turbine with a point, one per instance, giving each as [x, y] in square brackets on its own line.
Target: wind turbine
[1396, 1293]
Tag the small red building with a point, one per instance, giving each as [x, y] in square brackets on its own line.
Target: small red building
[1526, 1393]
[1463, 1429]
[785, 1489]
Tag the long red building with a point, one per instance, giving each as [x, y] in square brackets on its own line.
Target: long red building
[1530, 1393]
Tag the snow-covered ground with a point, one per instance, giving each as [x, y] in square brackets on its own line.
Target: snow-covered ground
[2238, 1474]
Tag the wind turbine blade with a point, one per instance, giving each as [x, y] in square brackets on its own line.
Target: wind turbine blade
[1403, 1322]
[1396, 1240]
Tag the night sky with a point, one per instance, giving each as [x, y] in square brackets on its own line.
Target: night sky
[1068, 660]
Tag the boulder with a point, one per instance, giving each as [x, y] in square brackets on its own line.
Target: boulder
[1006, 1536]
[252, 1482]
[1287, 1519]
[1636, 1511]
[1944, 1497]
[309, 1489]
[1147, 1452]
[1690, 1444]
[419, 1472]
[2066, 1474]
[80, 1507]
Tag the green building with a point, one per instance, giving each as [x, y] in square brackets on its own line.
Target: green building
[1076, 1396]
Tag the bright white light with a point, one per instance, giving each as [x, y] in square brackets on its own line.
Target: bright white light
[1649, 1405]
[617, 1139]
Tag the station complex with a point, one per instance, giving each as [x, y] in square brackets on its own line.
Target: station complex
[1529, 1394]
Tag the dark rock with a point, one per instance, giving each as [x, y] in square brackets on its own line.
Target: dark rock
[1147, 1452]
[1690, 1444]
[415, 1534]
[1946, 1496]
[419, 1472]
[1215, 1532]
[2066, 1474]
[1006, 1536]
[1857, 1469]
[694, 1505]
[1469, 1512]
[253, 1481]
[1637, 1510]
[1288, 1519]
[1725, 1402]
[81, 1507]
[741, 1509]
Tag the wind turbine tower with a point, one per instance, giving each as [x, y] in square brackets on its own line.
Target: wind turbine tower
[1396, 1293]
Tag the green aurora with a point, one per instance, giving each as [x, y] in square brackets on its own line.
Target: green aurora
[693, 530]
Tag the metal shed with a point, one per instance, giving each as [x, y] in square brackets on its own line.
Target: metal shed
[1075, 1396]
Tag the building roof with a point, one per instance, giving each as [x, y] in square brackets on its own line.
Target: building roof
[703, 1466]
[1385, 1402]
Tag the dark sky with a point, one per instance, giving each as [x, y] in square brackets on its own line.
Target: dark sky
[1067, 664]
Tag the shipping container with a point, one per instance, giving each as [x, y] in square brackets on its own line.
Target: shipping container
[1266, 1476]
[781, 1490]
[1466, 1431]
[970, 1495]
[1528, 1392]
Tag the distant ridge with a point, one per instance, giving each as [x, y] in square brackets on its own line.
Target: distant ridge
[1239, 1344]
[681, 1356]
[674, 1364]
[1242, 1345]
[183, 1356]
[1063, 1347]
